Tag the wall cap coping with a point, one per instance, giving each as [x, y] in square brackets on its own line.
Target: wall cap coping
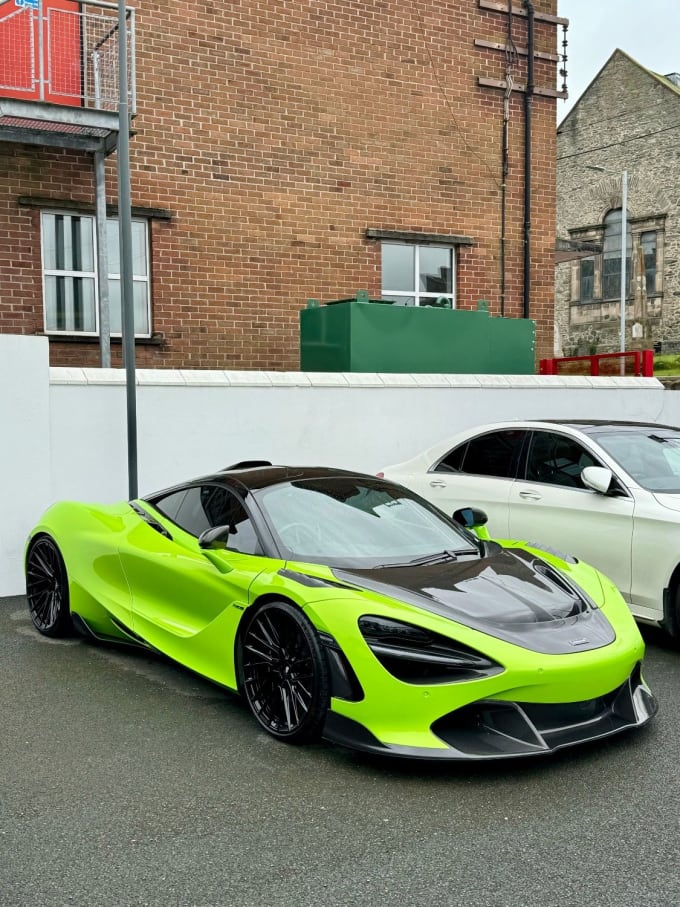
[220, 378]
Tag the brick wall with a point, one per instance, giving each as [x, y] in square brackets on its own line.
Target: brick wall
[276, 133]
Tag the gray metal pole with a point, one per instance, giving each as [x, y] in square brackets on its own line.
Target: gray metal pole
[125, 234]
[102, 262]
[624, 249]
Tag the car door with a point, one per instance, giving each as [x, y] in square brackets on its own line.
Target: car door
[187, 601]
[479, 472]
[551, 506]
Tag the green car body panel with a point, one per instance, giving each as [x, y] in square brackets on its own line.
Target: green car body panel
[130, 582]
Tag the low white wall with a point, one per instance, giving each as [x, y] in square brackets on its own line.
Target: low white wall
[64, 429]
[25, 446]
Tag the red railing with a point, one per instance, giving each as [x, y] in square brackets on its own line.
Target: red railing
[636, 363]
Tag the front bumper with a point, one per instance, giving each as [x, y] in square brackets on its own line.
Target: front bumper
[498, 729]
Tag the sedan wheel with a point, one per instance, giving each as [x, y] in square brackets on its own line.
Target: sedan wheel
[283, 673]
[47, 588]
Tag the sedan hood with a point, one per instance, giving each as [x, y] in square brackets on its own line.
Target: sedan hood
[511, 595]
[670, 501]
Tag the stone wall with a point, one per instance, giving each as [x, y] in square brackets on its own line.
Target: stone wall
[626, 120]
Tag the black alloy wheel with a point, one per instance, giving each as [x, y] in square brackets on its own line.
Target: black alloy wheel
[283, 673]
[47, 588]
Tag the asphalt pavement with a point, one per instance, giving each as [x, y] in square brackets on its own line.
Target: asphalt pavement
[125, 780]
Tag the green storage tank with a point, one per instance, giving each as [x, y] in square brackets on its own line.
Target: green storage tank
[362, 335]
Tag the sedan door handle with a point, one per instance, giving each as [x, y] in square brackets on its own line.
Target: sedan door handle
[530, 495]
[437, 483]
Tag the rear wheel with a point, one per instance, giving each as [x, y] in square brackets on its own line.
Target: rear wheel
[283, 673]
[47, 588]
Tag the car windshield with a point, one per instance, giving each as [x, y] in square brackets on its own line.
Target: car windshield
[349, 521]
[651, 457]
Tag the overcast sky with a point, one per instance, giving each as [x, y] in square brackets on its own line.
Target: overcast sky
[646, 30]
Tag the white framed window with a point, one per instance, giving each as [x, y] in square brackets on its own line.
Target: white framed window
[70, 290]
[419, 275]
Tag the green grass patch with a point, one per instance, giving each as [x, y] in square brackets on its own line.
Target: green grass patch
[665, 365]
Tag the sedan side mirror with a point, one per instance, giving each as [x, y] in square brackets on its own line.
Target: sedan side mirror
[599, 478]
[474, 519]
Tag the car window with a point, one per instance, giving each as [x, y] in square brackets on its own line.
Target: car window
[358, 520]
[557, 460]
[171, 504]
[651, 457]
[206, 506]
[496, 453]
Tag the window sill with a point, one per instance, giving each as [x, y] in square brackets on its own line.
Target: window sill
[156, 339]
[613, 300]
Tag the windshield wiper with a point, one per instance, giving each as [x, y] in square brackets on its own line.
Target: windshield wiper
[439, 557]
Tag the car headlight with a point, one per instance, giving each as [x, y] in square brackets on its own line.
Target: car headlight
[415, 655]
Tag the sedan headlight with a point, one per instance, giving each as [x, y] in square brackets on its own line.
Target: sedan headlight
[415, 655]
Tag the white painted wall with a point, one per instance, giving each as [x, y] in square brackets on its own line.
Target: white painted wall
[64, 430]
[25, 445]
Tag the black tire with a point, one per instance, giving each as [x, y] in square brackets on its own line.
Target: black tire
[47, 588]
[283, 673]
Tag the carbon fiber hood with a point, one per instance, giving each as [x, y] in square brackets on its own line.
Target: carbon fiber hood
[510, 595]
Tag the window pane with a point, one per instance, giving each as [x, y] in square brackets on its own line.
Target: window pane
[398, 267]
[139, 267]
[141, 308]
[209, 506]
[68, 242]
[435, 270]
[611, 258]
[453, 461]
[170, 504]
[587, 279]
[611, 277]
[113, 246]
[70, 303]
[557, 460]
[495, 454]
[399, 300]
[648, 244]
[438, 302]
[49, 242]
[139, 262]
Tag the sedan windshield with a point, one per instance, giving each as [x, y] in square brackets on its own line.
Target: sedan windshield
[651, 457]
[349, 521]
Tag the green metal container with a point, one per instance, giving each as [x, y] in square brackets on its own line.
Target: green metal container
[372, 336]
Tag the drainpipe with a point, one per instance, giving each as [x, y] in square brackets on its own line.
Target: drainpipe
[528, 100]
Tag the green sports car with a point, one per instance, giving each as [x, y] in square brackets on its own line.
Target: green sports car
[343, 606]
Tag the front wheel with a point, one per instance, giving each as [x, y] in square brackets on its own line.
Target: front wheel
[47, 588]
[283, 673]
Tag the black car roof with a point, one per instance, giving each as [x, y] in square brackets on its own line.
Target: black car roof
[252, 478]
[264, 476]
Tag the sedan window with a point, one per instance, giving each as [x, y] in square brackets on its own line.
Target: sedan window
[651, 457]
[494, 454]
[557, 460]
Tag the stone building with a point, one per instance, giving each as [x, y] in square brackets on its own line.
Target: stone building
[622, 135]
[280, 151]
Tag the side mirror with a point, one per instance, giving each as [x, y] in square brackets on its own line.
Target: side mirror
[474, 519]
[215, 538]
[599, 478]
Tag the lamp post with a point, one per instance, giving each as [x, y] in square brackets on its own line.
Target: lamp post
[125, 239]
[624, 241]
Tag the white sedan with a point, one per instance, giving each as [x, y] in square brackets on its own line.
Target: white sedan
[605, 492]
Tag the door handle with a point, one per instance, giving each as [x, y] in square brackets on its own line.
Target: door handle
[530, 495]
[437, 483]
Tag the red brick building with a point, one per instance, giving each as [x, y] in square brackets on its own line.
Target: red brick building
[280, 151]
